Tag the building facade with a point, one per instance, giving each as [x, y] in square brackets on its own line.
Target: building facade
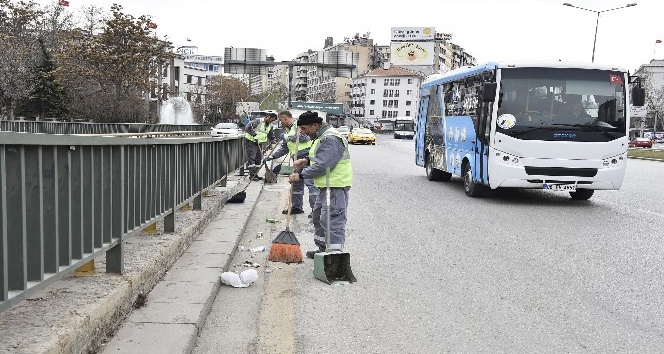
[652, 119]
[387, 92]
[451, 56]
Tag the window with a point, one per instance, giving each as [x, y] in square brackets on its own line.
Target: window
[384, 103]
[397, 82]
[372, 102]
[188, 78]
[410, 81]
[371, 112]
[373, 91]
[386, 82]
[407, 103]
[409, 92]
[407, 113]
[373, 81]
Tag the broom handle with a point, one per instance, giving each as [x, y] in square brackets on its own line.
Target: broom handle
[290, 200]
[290, 195]
[327, 204]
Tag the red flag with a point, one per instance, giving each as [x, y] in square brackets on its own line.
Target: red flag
[63, 2]
[658, 41]
[151, 24]
[615, 79]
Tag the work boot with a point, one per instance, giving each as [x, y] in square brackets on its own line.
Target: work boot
[310, 254]
[293, 211]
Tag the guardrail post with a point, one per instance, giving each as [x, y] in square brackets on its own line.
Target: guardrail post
[198, 178]
[169, 219]
[4, 287]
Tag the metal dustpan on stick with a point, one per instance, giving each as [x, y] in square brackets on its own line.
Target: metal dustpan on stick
[332, 267]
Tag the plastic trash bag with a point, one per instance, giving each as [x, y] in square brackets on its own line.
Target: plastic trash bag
[242, 280]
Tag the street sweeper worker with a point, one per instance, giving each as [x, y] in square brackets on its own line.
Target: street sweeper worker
[329, 150]
[288, 146]
[258, 133]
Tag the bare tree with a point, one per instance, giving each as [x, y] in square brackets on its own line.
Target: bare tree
[19, 25]
[654, 101]
[223, 94]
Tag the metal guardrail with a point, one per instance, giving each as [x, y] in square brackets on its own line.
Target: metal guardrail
[92, 128]
[64, 200]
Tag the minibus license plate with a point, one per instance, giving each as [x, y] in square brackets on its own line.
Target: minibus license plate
[562, 187]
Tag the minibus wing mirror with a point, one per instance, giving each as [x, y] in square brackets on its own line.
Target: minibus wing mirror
[489, 91]
[638, 96]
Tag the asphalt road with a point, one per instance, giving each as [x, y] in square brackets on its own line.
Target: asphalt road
[518, 271]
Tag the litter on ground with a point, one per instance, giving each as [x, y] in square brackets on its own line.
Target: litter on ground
[242, 280]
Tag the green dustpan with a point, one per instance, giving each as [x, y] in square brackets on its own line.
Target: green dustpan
[332, 267]
[286, 170]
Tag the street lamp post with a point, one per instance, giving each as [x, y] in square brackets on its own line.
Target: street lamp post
[597, 22]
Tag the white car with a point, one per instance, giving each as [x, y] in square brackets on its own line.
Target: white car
[230, 130]
[344, 131]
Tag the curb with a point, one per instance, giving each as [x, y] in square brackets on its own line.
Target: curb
[178, 305]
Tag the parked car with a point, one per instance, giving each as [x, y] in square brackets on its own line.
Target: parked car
[362, 136]
[231, 130]
[344, 131]
[640, 142]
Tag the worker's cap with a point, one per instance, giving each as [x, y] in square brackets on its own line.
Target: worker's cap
[309, 117]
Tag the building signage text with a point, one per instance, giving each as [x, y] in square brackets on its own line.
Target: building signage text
[413, 33]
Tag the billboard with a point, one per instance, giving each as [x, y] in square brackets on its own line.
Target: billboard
[412, 53]
[413, 33]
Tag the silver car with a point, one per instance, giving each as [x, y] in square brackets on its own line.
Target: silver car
[230, 130]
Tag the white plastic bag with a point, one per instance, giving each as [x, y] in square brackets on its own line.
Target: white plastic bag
[242, 280]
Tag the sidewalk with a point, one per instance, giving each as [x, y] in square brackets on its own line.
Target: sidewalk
[78, 313]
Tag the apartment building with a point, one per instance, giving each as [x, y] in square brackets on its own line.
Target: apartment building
[387, 92]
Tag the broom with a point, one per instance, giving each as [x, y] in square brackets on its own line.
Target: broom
[285, 247]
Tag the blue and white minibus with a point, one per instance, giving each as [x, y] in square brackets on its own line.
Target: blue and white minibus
[549, 125]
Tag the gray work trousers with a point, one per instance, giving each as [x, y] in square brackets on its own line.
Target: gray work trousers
[254, 157]
[337, 210]
[298, 194]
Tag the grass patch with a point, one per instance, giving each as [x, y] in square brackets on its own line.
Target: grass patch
[647, 153]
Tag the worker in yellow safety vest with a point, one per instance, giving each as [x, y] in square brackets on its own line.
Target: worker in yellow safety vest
[295, 143]
[258, 133]
[328, 159]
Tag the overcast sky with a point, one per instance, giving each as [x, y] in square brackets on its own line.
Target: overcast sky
[490, 30]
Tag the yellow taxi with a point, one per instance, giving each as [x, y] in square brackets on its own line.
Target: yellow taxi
[361, 136]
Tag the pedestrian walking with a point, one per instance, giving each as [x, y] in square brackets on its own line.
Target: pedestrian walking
[289, 145]
[328, 152]
[258, 133]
